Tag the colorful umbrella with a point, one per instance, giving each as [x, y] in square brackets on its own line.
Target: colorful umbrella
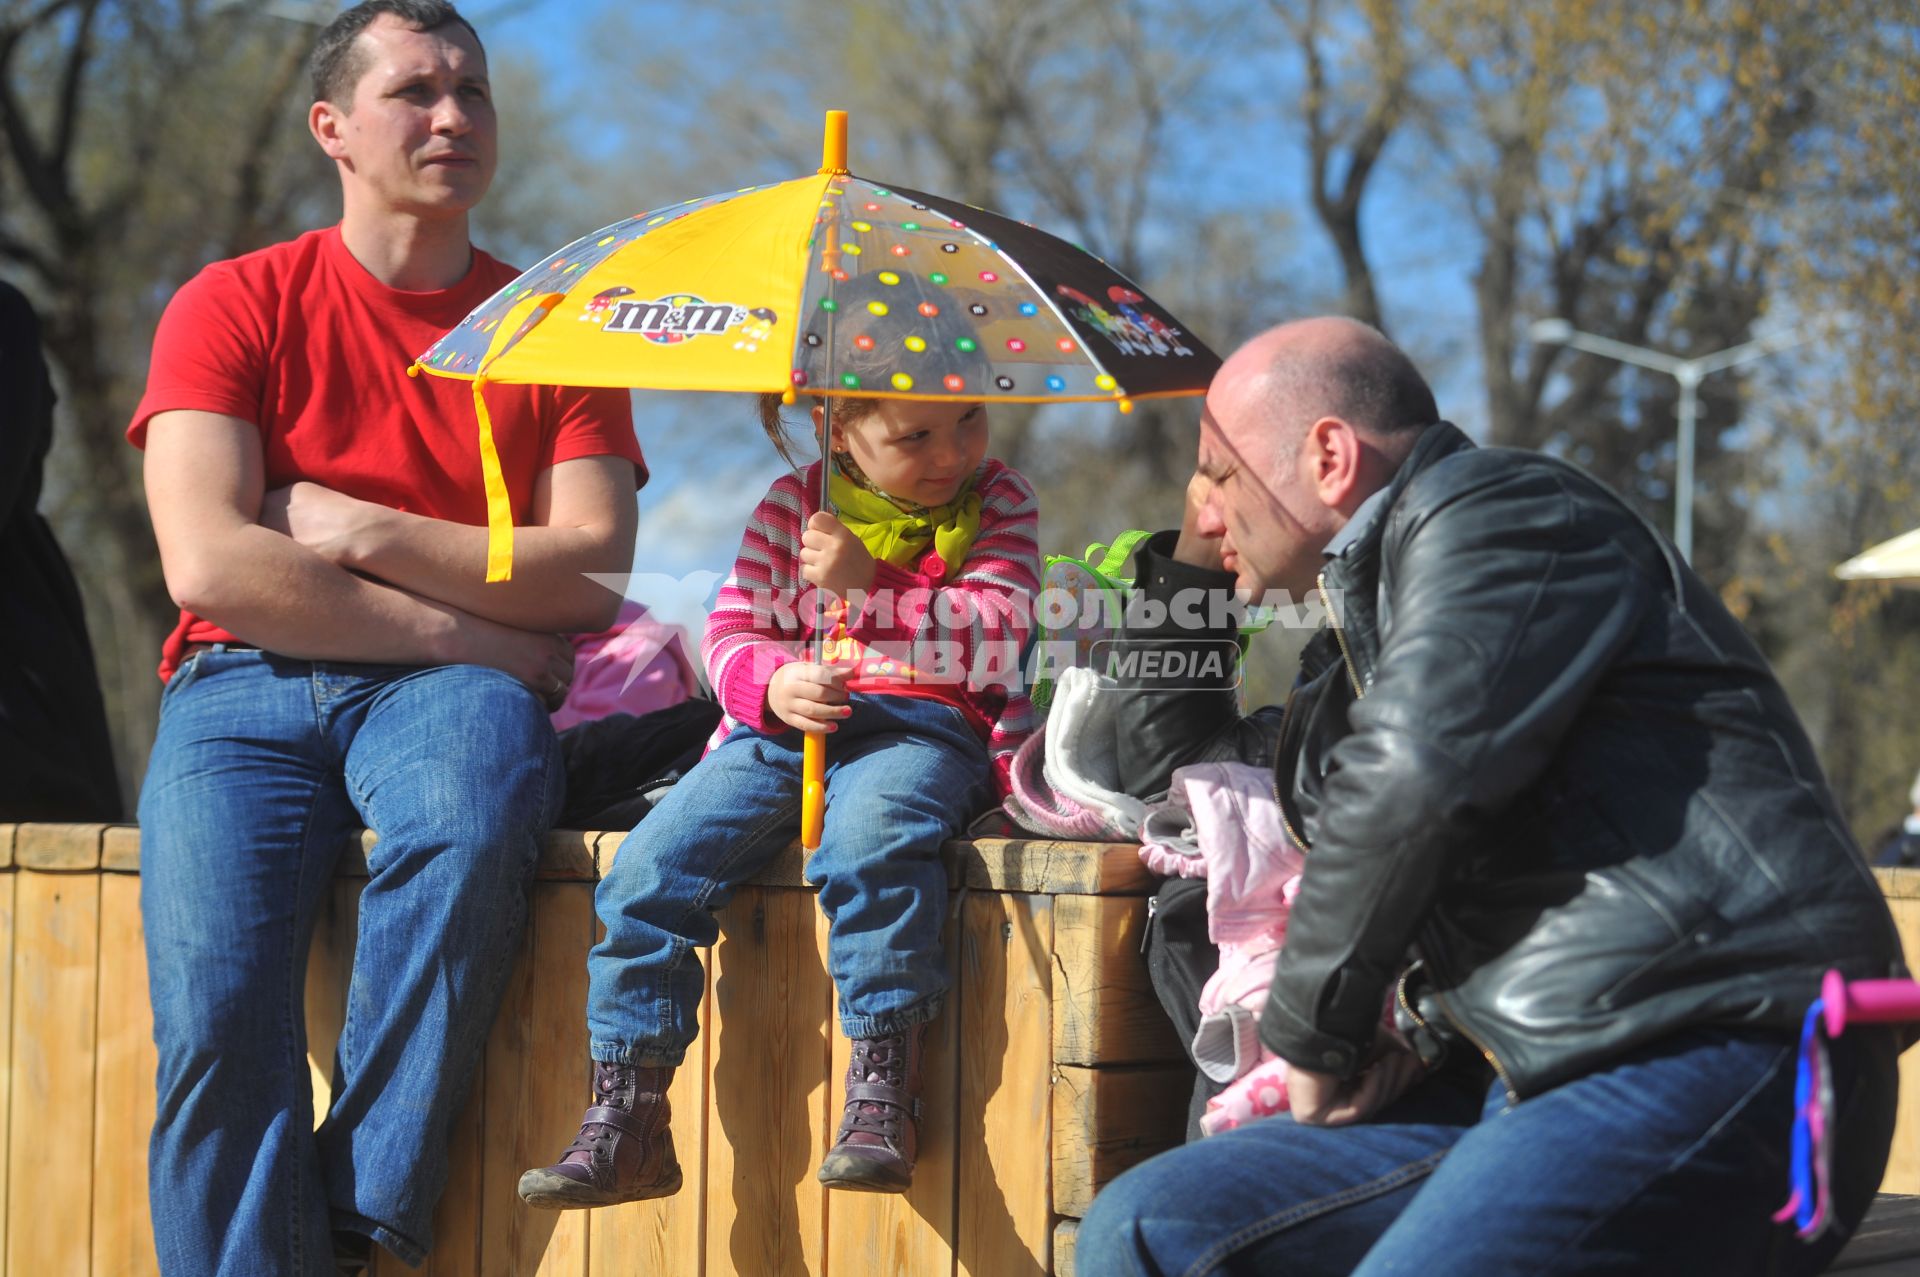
[823, 286]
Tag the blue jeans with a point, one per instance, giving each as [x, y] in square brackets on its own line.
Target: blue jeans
[903, 775]
[1668, 1162]
[262, 769]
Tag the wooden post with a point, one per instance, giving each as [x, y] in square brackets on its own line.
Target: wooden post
[767, 1128]
[1104, 1008]
[55, 1037]
[871, 1233]
[1006, 1053]
[123, 1097]
[1106, 1120]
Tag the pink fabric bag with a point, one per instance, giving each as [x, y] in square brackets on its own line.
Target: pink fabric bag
[638, 666]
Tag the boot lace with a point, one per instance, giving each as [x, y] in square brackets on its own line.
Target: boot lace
[881, 1061]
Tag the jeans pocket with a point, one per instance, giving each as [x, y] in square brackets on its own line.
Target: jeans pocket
[183, 676]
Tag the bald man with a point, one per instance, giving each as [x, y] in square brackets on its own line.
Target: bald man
[1558, 815]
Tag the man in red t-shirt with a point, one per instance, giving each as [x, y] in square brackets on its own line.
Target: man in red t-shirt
[340, 661]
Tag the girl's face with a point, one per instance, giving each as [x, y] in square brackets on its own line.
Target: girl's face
[918, 451]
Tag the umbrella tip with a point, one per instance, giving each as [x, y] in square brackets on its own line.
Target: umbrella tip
[413, 369]
[1126, 406]
[833, 147]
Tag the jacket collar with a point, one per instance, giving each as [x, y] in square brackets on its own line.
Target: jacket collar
[1352, 575]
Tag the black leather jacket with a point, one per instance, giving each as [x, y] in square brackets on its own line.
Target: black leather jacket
[1537, 757]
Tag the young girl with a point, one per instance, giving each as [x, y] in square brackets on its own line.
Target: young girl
[924, 708]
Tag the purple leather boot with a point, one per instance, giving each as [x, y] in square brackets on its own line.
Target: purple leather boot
[624, 1152]
[879, 1135]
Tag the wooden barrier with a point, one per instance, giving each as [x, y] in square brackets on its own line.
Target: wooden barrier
[1052, 1071]
[1903, 1164]
[1048, 995]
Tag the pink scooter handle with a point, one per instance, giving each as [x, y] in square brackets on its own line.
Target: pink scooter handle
[1867, 1001]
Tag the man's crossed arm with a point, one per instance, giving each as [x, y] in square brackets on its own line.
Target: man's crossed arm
[318, 575]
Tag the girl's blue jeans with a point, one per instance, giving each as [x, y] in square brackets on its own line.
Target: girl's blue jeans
[262, 770]
[1667, 1163]
[904, 774]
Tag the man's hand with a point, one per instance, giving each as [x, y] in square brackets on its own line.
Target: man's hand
[1192, 548]
[810, 697]
[327, 522]
[833, 558]
[1321, 1099]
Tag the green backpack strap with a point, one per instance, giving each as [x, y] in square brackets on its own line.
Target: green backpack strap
[1109, 559]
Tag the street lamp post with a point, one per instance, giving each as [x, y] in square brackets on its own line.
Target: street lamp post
[1689, 373]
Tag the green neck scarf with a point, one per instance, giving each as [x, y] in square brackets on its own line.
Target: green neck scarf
[898, 532]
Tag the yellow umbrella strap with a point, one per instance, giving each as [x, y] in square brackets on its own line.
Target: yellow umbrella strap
[499, 506]
[530, 311]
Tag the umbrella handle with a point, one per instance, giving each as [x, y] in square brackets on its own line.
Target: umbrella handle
[813, 789]
[1867, 1001]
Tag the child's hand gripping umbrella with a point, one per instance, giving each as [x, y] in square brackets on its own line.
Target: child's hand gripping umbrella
[827, 285]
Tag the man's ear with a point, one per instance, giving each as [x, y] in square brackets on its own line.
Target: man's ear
[327, 122]
[1335, 456]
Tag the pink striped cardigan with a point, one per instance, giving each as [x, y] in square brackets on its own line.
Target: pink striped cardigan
[980, 617]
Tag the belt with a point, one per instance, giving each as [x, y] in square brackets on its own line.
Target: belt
[194, 649]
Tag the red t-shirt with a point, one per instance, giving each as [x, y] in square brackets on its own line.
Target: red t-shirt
[301, 341]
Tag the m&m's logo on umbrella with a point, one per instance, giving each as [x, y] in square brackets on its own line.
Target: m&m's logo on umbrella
[673, 319]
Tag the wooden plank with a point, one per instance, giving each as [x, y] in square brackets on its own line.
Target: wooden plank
[1065, 1234]
[7, 831]
[537, 1085]
[1106, 1120]
[1903, 1159]
[1900, 884]
[1887, 1241]
[120, 849]
[567, 855]
[909, 1232]
[58, 847]
[123, 1096]
[993, 864]
[787, 868]
[766, 1213]
[667, 1235]
[55, 1033]
[605, 846]
[9, 972]
[1901, 1266]
[1104, 1008]
[1053, 868]
[1005, 1222]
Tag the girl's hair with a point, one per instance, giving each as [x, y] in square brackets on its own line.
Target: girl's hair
[846, 411]
[890, 307]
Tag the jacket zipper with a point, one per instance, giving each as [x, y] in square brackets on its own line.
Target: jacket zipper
[1353, 674]
[1513, 1096]
[1406, 1004]
[1353, 677]
[1340, 634]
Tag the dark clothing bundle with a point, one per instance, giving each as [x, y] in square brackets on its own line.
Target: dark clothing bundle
[618, 766]
[1537, 757]
[55, 759]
